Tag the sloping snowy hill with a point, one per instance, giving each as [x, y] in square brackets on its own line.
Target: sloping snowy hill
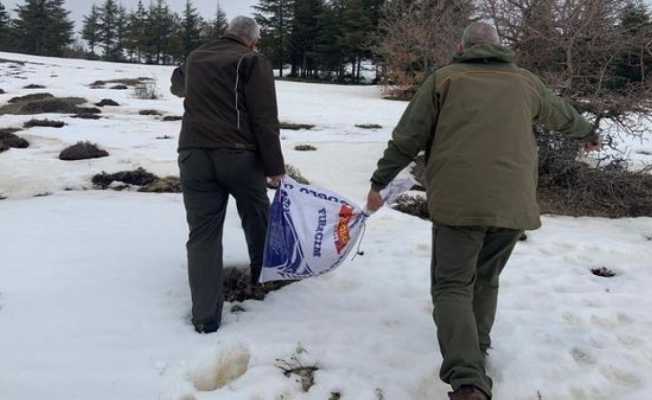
[94, 300]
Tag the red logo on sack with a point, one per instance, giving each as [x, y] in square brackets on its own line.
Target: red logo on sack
[343, 235]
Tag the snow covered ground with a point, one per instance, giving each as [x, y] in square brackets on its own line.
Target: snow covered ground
[94, 300]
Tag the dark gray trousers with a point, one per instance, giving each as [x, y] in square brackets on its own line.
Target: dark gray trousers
[466, 267]
[208, 177]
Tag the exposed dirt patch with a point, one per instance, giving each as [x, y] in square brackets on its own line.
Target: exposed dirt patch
[164, 137]
[8, 140]
[171, 118]
[107, 102]
[305, 147]
[295, 127]
[150, 112]
[82, 151]
[119, 87]
[2, 92]
[369, 126]
[30, 97]
[49, 105]
[120, 82]
[33, 86]
[46, 123]
[603, 272]
[138, 177]
[238, 286]
[86, 116]
[168, 184]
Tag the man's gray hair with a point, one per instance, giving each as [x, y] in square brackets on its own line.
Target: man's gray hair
[480, 33]
[245, 28]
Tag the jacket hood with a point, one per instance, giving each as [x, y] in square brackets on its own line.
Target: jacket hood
[485, 53]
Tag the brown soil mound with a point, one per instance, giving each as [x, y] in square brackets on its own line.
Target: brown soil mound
[30, 97]
[138, 177]
[8, 140]
[46, 123]
[82, 151]
[238, 287]
[107, 102]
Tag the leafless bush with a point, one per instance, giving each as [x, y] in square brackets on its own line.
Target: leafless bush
[417, 38]
[147, 90]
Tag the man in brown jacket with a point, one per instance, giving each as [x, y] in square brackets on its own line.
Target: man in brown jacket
[229, 145]
[474, 120]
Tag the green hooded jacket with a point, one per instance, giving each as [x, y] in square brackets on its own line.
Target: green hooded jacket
[474, 119]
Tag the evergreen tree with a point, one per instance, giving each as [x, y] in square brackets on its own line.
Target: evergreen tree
[4, 28]
[90, 30]
[357, 25]
[329, 50]
[160, 31]
[190, 32]
[275, 19]
[220, 23]
[122, 32]
[303, 39]
[136, 38]
[108, 30]
[42, 27]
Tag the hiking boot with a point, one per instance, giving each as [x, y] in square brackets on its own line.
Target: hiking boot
[207, 327]
[468, 393]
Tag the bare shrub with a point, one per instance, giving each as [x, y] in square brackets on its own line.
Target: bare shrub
[147, 90]
[295, 174]
[603, 272]
[413, 205]
[294, 367]
[417, 38]
[47, 105]
[82, 151]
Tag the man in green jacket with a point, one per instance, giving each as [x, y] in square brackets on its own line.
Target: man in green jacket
[474, 119]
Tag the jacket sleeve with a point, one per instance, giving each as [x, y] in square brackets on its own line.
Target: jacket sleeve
[178, 81]
[410, 137]
[557, 114]
[260, 97]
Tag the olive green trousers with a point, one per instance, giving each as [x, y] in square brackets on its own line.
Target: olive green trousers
[466, 266]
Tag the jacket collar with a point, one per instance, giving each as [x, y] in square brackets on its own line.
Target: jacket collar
[485, 53]
[235, 38]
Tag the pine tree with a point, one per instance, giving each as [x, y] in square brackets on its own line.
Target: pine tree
[122, 31]
[90, 30]
[136, 38]
[42, 27]
[329, 50]
[220, 23]
[161, 27]
[275, 19]
[4, 28]
[108, 29]
[190, 32]
[356, 27]
[303, 39]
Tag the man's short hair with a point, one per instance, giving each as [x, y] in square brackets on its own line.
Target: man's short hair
[480, 33]
[245, 28]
